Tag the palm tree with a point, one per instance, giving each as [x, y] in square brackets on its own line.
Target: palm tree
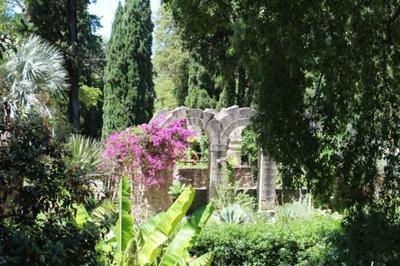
[33, 74]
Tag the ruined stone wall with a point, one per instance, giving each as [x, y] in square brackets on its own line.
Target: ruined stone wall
[219, 126]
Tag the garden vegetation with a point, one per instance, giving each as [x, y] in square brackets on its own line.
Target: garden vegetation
[86, 177]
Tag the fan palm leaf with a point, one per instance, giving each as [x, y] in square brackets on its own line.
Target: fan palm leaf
[33, 72]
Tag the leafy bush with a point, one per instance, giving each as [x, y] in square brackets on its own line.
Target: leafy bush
[299, 242]
[372, 236]
[89, 96]
[37, 200]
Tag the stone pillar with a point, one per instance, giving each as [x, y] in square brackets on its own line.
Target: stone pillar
[216, 161]
[235, 141]
[266, 182]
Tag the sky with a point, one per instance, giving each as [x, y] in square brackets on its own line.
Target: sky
[105, 10]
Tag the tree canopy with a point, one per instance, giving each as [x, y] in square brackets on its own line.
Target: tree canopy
[327, 89]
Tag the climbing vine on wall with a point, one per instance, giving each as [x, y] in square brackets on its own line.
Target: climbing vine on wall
[147, 153]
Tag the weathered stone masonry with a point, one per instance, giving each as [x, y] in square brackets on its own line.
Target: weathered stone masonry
[219, 126]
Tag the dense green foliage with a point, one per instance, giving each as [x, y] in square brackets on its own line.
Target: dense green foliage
[199, 98]
[299, 234]
[40, 182]
[202, 73]
[216, 65]
[327, 93]
[327, 90]
[91, 100]
[37, 199]
[129, 89]
[371, 236]
[295, 243]
[204, 87]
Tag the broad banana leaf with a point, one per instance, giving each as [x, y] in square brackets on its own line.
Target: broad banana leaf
[183, 240]
[100, 213]
[204, 260]
[147, 228]
[125, 223]
[130, 253]
[151, 248]
[81, 216]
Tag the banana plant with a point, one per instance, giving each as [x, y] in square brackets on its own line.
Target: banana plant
[125, 230]
[81, 216]
[183, 240]
[163, 239]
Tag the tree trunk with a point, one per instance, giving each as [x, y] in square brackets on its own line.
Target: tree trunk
[72, 67]
[250, 91]
[241, 91]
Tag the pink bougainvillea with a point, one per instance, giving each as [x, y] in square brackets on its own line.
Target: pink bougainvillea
[147, 153]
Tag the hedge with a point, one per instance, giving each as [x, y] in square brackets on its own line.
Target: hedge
[297, 242]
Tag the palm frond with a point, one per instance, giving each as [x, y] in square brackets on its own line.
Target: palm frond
[35, 69]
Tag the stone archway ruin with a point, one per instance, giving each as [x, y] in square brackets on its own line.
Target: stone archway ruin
[219, 125]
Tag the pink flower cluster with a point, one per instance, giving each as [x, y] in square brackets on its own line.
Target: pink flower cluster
[147, 153]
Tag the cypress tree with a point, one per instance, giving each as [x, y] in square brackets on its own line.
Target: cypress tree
[112, 106]
[129, 90]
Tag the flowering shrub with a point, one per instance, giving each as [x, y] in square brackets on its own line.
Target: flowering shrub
[148, 152]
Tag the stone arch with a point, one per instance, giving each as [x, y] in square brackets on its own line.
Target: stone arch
[231, 127]
[218, 125]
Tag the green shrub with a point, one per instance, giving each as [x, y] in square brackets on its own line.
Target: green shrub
[37, 200]
[372, 236]
[298, 242]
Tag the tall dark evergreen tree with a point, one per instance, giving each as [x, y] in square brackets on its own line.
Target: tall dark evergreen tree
[129, 90]
[112, 107]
